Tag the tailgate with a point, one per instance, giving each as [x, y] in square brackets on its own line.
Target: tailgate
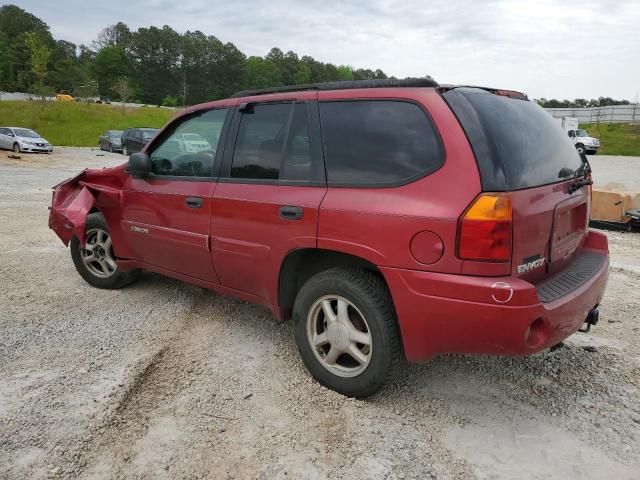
[549, 226]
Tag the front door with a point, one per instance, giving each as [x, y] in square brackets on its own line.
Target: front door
[167, 215]
[266, 203]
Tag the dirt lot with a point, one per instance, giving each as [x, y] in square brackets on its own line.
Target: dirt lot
[168, 380]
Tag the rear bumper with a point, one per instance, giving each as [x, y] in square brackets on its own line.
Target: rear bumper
[444, 313]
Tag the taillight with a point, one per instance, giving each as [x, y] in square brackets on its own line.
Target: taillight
[485, 229]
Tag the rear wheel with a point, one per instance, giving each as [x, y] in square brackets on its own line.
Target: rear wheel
[16, 147]
[110, 148]
[346, 331]
[95, 261]
[125, 150]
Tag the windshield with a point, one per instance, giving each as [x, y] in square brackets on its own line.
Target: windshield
[115, 133]
[581, 133]
[516, 142]
[25, 132]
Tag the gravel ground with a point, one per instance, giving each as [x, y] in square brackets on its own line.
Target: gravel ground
[168, 380]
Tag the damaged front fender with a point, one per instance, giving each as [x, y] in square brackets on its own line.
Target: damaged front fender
[74, 198]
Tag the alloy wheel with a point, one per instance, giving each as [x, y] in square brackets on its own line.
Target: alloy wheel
[98, 255]
[339, 336]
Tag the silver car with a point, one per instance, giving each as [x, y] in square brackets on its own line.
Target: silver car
[23, 140]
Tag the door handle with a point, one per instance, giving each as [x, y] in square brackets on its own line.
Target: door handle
[193, 202]
[290, 212]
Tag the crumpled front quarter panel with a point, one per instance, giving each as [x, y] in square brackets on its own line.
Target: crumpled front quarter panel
[74, 198]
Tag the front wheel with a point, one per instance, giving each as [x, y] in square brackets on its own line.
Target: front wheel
[125, 151]
[16, 147]
[346, 331]
[95, 261]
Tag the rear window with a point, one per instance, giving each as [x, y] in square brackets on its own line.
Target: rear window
[516, 142]
[378, 142]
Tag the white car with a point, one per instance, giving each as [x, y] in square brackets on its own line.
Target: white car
[192, 142]
[23, 140]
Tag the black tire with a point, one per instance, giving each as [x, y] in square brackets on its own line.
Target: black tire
[16, 147]
[117, 279]
[110, 148]
[125, 150]
[368, 293]
[580, 148]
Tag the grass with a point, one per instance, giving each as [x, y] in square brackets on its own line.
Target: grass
[616, 138]
[75, 124]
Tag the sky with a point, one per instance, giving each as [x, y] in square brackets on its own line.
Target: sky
[545, 48]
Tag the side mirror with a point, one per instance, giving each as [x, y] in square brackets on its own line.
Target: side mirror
[139, 165]
[572, 133]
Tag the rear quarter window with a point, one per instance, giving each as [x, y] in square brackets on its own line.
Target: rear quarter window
[378, 142]
[517, 144]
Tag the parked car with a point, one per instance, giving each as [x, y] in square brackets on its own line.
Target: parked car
[389, 219]
[111, 140]
[23, 140]
[134, 139]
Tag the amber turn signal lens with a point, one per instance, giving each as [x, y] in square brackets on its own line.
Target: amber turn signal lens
[485, 229]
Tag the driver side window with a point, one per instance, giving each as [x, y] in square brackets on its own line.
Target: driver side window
[188, 148]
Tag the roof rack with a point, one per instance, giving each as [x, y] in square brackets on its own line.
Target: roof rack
[342, 85]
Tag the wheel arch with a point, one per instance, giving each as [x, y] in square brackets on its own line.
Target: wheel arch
[301, 264]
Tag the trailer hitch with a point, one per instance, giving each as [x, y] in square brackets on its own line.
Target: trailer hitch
[592, 319]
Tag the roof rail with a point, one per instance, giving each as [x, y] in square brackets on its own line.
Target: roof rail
[342, 85]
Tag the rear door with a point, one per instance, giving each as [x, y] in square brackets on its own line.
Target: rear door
[137, 141]
[521, 149]
[272, 183]
[167, 215]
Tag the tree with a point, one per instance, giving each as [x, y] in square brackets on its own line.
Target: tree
[15, 67]
[345, 72]
[40, 54]
[122, 89]
[156, 59]
[117, 35]
[261, 73]
[110, 64]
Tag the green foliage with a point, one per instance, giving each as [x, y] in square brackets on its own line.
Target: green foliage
[40, 54]
[170, 101]
[158, 62]
[580, 102]
[616, 138]
[345, 72]
[74, 124]
[261, 73]
[110, 64]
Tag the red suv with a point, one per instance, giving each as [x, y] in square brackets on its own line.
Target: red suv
[390, 219]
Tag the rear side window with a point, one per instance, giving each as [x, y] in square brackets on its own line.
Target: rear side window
[273, 143]
[516, 142]
[378, 142]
